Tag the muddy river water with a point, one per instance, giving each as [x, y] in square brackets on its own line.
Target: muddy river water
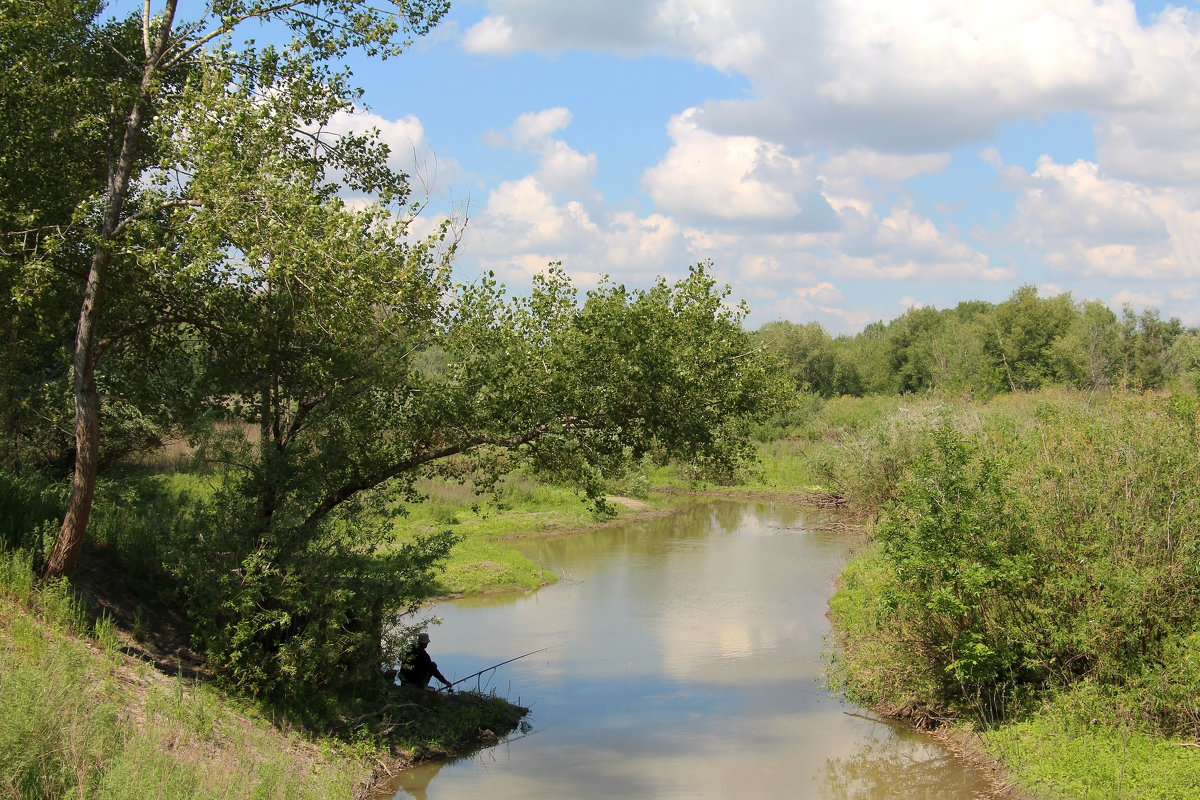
[683, 659]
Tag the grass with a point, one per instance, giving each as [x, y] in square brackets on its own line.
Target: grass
[484, 559]
[79, 718]
[1071, 750]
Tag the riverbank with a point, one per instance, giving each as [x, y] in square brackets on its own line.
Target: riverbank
[89, 709]
[1070, 744]
[668, 500]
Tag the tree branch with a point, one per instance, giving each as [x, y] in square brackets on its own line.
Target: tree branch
[180, 203]
[365, 482]
[130, 330]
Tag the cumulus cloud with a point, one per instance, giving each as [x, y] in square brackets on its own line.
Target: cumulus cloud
[705, 176]
[1087, 222]
[492, 35]
[806, 180]
[921, 75]
[861, 163]
[561, 167]
[552, 214]
[552, 25]
[533, 129]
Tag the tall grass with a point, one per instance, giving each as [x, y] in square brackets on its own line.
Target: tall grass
[1084, 744]
[78, 720]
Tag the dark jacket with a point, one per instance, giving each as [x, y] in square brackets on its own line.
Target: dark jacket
[417, 668]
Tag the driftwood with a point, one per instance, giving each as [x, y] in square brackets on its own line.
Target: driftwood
[819, 499]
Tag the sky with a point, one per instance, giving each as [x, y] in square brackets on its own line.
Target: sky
[837, 161]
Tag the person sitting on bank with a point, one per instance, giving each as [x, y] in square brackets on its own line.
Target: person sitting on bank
[417, 668]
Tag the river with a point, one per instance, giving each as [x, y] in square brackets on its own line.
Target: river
[683, 659]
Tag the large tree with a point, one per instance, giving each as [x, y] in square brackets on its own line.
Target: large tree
[355, 381]
[123, 293]
[62, 68]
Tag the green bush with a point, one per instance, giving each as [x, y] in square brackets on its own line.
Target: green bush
[1025, 547]
[964, 565]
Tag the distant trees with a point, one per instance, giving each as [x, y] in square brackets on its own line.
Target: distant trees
[983, 349]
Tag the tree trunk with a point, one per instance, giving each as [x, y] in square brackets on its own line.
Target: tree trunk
[87, 397]
[87, 427]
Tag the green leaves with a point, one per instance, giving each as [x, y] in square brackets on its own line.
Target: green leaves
[961, 554]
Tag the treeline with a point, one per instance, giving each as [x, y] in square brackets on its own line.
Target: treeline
[983, 349]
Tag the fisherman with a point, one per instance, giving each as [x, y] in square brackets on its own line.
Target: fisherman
[417, 668]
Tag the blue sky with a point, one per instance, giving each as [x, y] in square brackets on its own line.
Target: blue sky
[838, 161]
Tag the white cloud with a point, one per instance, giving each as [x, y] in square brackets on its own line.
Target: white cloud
[821, 302]
[533, 129]
[565, 169]
[561, 167]
[705, 176]
[1086, 222]
[408, 149]
[1136, 300]
[526, 217]
[553, 26]
[807, 179]
[911, 76]
[492, 34]
[860, 163]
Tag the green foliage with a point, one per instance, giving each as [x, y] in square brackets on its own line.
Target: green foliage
[1148, 341]
[30, 507]
[292, 612]
[1047, 542]
[1120, 483]
[1085, 744]
[980, 349]
[877, 446]
[1090, 354]
[1021, 334]
[963, 562]
[811, 359]
[445, 725]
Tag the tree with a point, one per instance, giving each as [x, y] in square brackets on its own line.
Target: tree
[387, 374]
[1023, 331]
[1089, 354]
[220, 253]
[809, 353]
[1148, 341]
[169, 52]
[911, 356]
[867, 358]
[62, 66]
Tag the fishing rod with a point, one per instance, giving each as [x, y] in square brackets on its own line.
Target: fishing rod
[494, 666]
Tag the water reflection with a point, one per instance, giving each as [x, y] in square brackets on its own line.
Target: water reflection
[683, 660]
[886, 766]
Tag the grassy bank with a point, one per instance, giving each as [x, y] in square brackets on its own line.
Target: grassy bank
[484, 559]
[102, 698]
[81, 717]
